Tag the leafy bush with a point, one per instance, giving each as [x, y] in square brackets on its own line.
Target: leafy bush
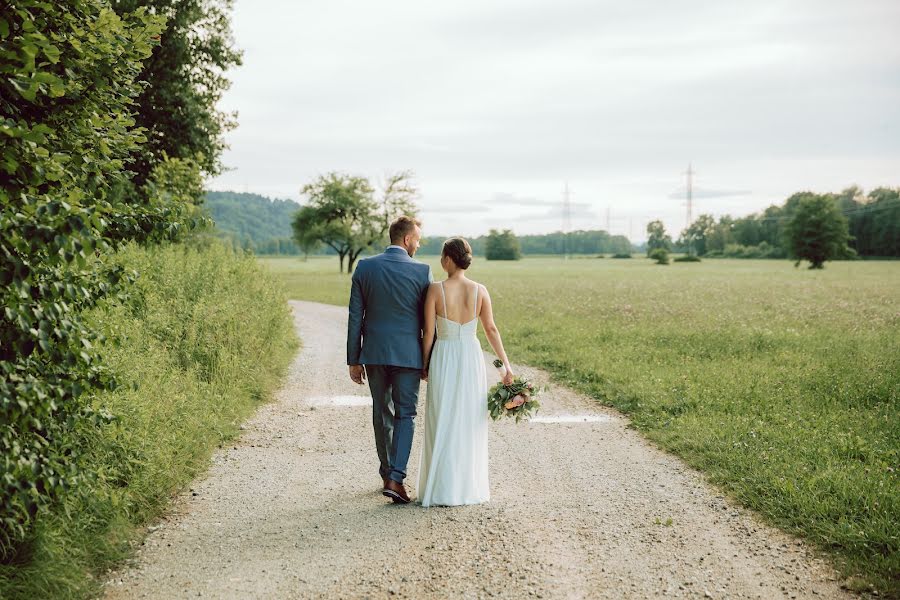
[68, 78]
[622, 255]
[660, 255]
[762, 250]
[65, 205]
[687, 258]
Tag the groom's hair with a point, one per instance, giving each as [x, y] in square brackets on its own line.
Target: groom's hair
[402, 227]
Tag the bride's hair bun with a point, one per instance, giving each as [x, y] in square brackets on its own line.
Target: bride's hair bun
[459, 251]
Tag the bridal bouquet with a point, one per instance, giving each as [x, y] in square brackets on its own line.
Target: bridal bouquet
[518, 399]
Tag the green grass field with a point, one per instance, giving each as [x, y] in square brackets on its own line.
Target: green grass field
[782, 384]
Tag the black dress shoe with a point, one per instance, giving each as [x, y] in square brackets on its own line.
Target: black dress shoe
[396, 492]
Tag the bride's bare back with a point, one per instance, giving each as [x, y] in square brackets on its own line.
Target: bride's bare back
[461, 300]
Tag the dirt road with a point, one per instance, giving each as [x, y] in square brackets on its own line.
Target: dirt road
[583, 508]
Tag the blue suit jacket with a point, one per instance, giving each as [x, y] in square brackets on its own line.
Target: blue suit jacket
[387, 298]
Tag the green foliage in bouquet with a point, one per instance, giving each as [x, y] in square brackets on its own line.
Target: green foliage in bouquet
[519, 399]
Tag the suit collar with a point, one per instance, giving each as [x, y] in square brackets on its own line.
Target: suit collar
[396, 252]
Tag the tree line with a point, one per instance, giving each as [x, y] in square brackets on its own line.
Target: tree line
[872, 226]
[255, 223]
[590, 242]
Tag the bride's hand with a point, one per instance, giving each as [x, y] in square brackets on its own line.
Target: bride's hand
[508, 377]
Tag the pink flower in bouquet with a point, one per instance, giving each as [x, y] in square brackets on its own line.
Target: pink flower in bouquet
[517, 401]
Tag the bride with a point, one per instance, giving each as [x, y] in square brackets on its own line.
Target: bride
[453, 467]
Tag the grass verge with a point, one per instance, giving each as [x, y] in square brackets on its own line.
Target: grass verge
[202, 340]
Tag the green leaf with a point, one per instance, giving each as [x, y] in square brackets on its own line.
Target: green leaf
[52, 53]
[23, 86]
[29, 50]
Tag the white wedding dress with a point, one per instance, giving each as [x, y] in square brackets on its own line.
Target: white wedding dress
[453, 468]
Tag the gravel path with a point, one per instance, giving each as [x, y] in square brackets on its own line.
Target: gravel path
[293, 509]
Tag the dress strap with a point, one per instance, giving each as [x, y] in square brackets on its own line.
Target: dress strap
[444, 298]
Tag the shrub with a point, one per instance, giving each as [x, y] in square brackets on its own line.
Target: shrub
[622, 255]
[69, 74]
[502, 246]
[660, 255]
[687, 258]
[763, 250]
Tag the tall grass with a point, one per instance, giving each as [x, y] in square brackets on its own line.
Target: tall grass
[782, 384]
[200, 342]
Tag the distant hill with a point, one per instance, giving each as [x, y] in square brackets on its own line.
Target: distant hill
[254, 222]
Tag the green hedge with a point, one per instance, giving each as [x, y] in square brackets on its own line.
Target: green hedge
[201, 339]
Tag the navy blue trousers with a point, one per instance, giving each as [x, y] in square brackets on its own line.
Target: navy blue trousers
[395, 394]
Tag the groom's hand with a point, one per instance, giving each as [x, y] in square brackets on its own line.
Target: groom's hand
[357, 374]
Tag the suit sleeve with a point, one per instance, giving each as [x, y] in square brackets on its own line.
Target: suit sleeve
[422, 294]
[355, 319]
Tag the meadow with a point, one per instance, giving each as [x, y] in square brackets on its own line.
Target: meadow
[781, 384]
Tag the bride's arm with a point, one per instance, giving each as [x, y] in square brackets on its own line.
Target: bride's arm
[493, 333]
[428, 329]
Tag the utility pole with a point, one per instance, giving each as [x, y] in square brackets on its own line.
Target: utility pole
[690, 192]
[690, 197]
[567, 219]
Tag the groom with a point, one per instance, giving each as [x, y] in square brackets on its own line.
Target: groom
[384, 333]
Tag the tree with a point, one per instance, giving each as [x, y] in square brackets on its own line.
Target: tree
[883, 207]
[657, 237]
[721, 235]
[817, 231]
[696, 236]
[875, 222]
[342, 213]
[502, 246]
[185, 81]
[398, 197]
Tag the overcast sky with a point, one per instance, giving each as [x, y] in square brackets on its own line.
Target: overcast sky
[495, 105]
